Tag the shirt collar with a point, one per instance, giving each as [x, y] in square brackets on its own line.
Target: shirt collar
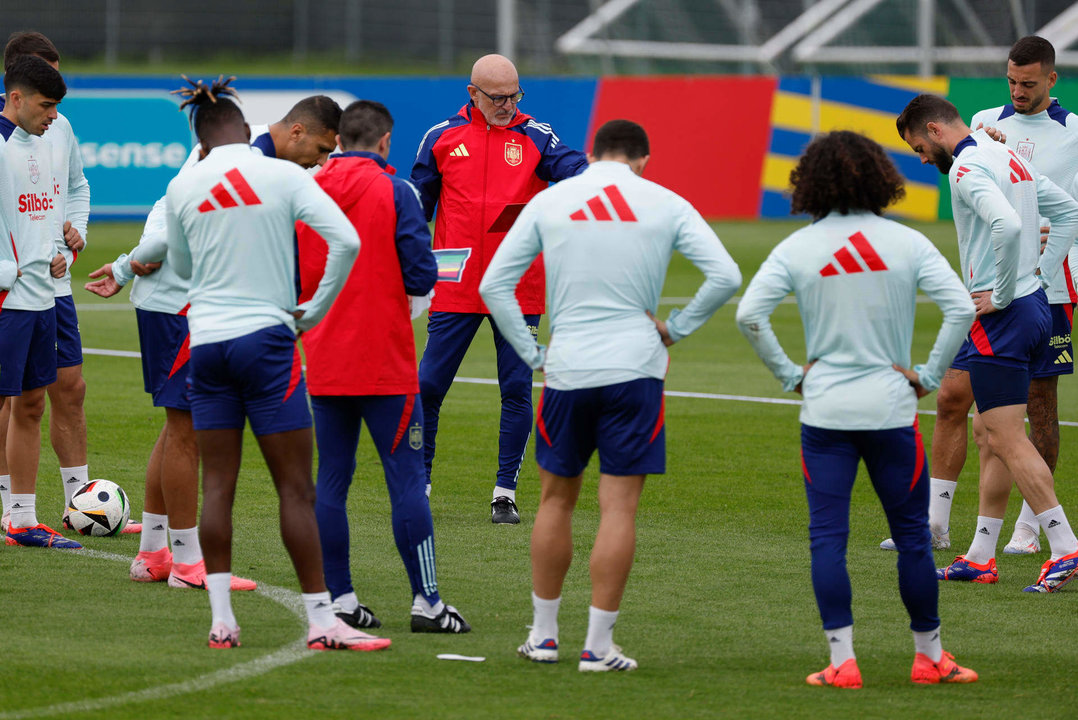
[967, 141]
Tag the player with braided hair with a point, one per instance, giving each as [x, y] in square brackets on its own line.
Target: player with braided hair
[230, 221]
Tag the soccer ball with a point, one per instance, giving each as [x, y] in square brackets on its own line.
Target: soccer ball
[100, 507]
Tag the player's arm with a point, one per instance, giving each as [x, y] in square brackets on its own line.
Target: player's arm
[78, 198]
[938, 281]
[765, 291]
[698, 242]
[557, 160]
[982, 194]
[315, 208]
[418, 266]
[1062, 213]
[9, 263]
[426, 177]
[521, 245]
[179, 250]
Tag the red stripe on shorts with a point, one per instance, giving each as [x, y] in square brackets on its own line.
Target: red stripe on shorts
[661, 419]
[297, 373]
[409, 403]
[539, 424]
[804, 467]
[980, 339]
[182, 356]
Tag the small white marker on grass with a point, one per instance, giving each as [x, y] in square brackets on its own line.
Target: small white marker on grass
[465, 658]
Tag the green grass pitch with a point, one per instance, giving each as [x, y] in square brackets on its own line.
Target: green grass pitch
[719, 610]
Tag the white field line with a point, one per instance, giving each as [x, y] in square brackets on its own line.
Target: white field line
[293, 652]
[668, 393]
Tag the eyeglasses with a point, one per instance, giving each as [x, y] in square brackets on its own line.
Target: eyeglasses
[500, 100]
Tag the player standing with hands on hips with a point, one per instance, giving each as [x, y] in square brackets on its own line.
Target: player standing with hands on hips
[231, 221]
[856, 276]
[607, 237]
[479, 167]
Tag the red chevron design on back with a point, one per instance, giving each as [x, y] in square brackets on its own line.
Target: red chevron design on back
[848, 261]
[1018, 170]
[599, 210]
[224, 197]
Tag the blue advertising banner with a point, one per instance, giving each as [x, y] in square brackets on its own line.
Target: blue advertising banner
[133, 139]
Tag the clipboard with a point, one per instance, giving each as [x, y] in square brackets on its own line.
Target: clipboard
[506, 218]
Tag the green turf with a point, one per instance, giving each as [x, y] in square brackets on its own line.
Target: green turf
[719, 610]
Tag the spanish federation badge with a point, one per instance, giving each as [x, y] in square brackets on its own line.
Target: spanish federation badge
[514, 153]
[415, 437]
[35, 171]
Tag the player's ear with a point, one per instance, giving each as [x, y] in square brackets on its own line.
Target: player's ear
[297, 131]
[591, 158]
[383, 144]
[247, 131]
[1052, 77]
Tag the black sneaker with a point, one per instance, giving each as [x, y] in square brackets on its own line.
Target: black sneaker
[361, 617]
[503, 511]
[447, 621]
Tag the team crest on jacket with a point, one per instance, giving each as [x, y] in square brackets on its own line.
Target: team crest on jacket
[35, 171]
[1025, 149]
[514, 153]
[415, 437]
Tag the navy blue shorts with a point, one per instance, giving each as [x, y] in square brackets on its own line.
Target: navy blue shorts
[1002, 350]
[68, 338]
[625, 422]
[165, 344]
[27, 350]
[256, 376]
[1059, 357]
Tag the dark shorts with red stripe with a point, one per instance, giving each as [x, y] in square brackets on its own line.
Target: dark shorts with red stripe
[27, 350]
[625, 422]
[68, 338]
[1005, 348]
[164, 340]
[256, 376]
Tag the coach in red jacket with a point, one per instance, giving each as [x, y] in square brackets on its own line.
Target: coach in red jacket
[361, 365]
[479, 167]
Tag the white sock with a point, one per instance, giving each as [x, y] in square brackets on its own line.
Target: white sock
[983, 547]
[428, 490]
[840, 640]
[319, 609]
[544, 618]
[600, 631]
[939, 504]
[504, 492]
[429, 610]
[347, 602]
[154, 532]
[186, 549]
[23, 510]
[1056, 528]
[219, 585]
[928, 644]
[5, 492]
[1029, 519]
[72, 479]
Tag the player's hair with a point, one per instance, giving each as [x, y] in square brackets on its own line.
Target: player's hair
[844, 171]
[29, 43]
[621, 137]
[317, 113]
[31, 73]
[922, 110]
[363, 123]
[1033, 49]
[210, 104]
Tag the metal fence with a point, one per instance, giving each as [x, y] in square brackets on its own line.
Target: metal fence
[556, 36]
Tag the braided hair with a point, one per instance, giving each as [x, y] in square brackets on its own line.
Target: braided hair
[210, 104]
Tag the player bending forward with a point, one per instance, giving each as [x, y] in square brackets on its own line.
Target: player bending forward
[606, 237]
[856, 277]
[230, 230]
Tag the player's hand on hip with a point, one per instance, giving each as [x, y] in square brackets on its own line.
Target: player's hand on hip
[58, 266]
[982, 301]
[144, 269]
[915, 380]
[804, 372]
[661, 327]
[72, 238]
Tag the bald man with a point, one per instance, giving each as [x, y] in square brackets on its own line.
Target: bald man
[479, 168]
